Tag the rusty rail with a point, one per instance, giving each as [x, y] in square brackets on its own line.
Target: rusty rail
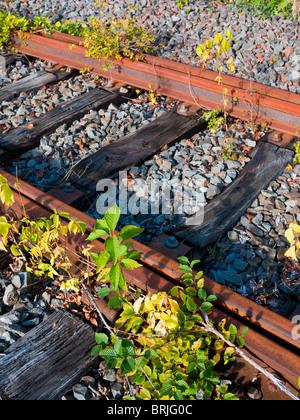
[246, 100]
[269, 337]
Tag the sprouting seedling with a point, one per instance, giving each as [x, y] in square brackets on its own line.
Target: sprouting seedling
[221, 44]
[218, 48]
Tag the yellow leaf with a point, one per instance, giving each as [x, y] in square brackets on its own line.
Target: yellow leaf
[228, 34]
[137, 305]
[231, 68]
[291, 253]
[205, 56]
[289, 234]
[295, 227]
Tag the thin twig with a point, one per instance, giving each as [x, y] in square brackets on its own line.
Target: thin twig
[248, 359]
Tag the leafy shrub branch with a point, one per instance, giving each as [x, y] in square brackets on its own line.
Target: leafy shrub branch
[108, 39]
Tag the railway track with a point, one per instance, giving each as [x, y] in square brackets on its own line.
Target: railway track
[269, 339]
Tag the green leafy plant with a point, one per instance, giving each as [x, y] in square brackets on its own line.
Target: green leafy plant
[43, 238]
[117, 39]
[40, 243]
[109, 39]
[297, 150]
[116, 257]
[181, 3]
[9, 23]
[228, 152]
[290, 8]
[218, 48]
[172, 349]
[215, 119]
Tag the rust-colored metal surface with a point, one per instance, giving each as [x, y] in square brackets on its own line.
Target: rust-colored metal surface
[246, 100]
[160, 273]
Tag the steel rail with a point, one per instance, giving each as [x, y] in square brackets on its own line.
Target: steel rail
[246, 100]
[152, 278]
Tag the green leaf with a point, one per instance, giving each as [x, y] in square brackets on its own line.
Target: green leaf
[151, 354]
[191, 367]
[229, 397]
[145, 394]
[191, 305]
[181, 317]
[124, 348]
[55, 219]
[102, 260]
[185, 269]
[191, 291]
[193, 263]
[240, 341]
[115, 302]
[113, 247]
[4, 227]
[134, 255]
[188, 276]
[102, 225]
[111, 363]
[128, 365]
[183, 260]
[112, 217]
[174, 292]
[233, 329]
[222, 389]
[166, 390]
[101, 339]
[114, 276]
[211, 298]
[96, 350]
[104, 291]
[138, 379]
[129, 232]
[122, 282]
[96, 235]
[6, 194]
[178, 396]
[182, 385]
[65, 215]
[130, 264]
[14, 250]
[206, 306]
[202, 294]
[108, 353]
[245, 331]
[82, 226]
